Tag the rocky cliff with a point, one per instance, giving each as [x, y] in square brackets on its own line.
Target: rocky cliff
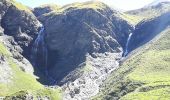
[144, 30]
[77, 37]
[76, 31]
[19, 28]
[23, 27]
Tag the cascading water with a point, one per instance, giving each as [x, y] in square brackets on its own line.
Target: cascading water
[127, 45]
[39, 55]
[39, 51]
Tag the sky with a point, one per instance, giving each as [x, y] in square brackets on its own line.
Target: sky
[118, 4]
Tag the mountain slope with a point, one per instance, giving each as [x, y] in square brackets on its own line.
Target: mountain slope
[152, 11]
[144, 74]
[82, 48]
[148, 29]
[16, 76]
[18, 29]
[23, 27]
[81, 37]
[89, 27]
[75, 37]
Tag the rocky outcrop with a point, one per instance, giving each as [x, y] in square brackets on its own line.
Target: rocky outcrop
[4, 5]
[23, 27]
[17, 33]
[15, 51]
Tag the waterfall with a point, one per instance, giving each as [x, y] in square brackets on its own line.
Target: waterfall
[39, 51]
[39, 54]
[127, 45]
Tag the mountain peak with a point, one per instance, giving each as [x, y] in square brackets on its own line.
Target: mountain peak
[157, 2]
[88, 4]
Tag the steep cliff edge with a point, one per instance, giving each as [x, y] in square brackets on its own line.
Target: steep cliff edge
[23, 27]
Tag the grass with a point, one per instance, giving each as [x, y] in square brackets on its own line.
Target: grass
[90, 4]
[133, 19]
[20, 6]
[153, 67]
[23, 82]
[3, 50]
[96, 5]
[54, 94]
[144, 76]
[156, 94]
[51, 6]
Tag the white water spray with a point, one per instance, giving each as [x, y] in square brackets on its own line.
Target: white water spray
[127, 45]
[39, 48]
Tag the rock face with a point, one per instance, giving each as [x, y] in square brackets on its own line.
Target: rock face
[16, 50]
[4, 5]
[17, 33]
[18, 29]
[144, 31]
[23, 27]
[82, 30]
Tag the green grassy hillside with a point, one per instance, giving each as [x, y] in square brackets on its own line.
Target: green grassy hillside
[21, 82]
[143, 76]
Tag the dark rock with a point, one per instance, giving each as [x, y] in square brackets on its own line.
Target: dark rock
[76, 32]
[148, 29]
[23, 27]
